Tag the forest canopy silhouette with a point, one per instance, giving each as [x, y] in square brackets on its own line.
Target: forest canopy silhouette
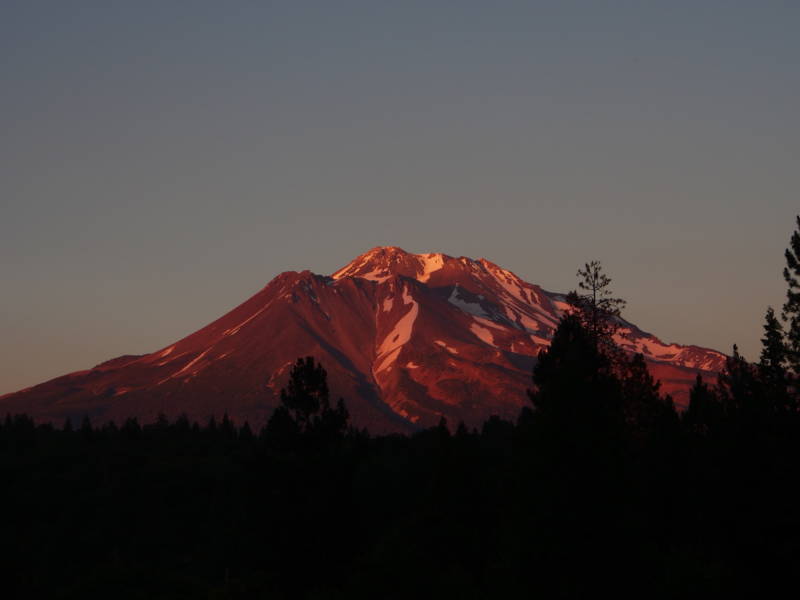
[600, 485]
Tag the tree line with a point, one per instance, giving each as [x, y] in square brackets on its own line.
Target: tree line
[599, 486]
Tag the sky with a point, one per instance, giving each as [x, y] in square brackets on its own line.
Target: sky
[162, 161]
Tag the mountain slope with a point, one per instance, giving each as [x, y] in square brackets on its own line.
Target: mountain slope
[405, 338]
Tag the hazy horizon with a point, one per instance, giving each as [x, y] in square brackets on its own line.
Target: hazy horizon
[161, 164]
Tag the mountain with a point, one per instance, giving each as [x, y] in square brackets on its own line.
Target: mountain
[405, 338]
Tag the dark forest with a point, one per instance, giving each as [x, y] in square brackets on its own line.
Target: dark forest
[599, 486]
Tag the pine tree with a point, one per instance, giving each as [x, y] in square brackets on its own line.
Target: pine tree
[772, 366]
[227, 428]
[332, 422]
[644, 406]
[575, 387]
[281, 431]
[306, 393]
[704, 412]
[741, 393]
[182, 424]
[131, 428]
[246, 433]
[791, 309]
[86, 428]
[110, 429]
[305, 406]
[773, 347]
[596, 308]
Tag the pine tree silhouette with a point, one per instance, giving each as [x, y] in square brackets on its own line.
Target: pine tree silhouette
[772, 366]
[596, 307]
[575, 387]
[791, 309]
[305, 407]
[306, 392]
[704, 412]
[644, 406]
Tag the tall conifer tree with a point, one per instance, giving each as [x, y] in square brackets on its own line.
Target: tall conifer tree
[773, 347]
[791, 309]
[595, 305]
[704, 412]
[741, 393]
[772, 366]
[306, 392]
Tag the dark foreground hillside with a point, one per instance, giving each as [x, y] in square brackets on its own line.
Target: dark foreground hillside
[599, 487]
[608, 492]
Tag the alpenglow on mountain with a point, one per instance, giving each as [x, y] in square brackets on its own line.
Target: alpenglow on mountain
[405, 338]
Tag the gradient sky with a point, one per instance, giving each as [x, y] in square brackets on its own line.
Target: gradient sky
[162, 161]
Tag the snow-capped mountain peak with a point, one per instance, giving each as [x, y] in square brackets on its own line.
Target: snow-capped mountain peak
[406, 338]
[382, 262]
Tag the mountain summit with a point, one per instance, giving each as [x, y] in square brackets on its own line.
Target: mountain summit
[406, 339]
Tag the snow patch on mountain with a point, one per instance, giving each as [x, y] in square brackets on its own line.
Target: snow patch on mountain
[507, 280]
[472, 308]
[653, 348]
[482, 333]
[489, 323]
[532, 325]
[172, 358]
[186, 368]
[445, 346]
[378, 275]
[430, 264]
[388, 360]
[234, 330]
[400, 334]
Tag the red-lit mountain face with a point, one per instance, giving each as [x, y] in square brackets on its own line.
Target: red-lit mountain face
[405, 338]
